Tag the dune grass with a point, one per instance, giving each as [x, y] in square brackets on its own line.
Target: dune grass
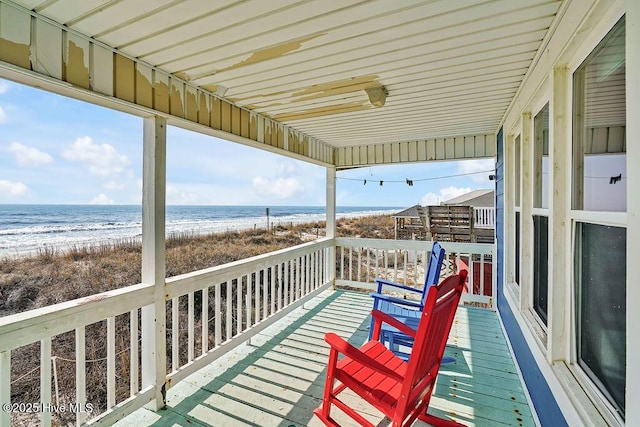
[51, 277]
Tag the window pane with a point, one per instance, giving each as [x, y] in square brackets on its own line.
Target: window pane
[517, 170]
[541, 265]
[541, 160]
[601, 280]
[599, 146]
[517, 254]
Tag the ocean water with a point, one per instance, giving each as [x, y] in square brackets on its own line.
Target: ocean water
[27, 228]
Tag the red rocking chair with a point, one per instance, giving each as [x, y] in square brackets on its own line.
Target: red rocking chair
[401, 390]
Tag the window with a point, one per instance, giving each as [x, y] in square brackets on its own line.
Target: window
[599, 155]
[541, 158]
[601, 277]
[517, 183]
[540, 217]
[599, 184]
[541, 265]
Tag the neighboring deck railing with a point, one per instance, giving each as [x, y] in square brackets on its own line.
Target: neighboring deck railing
[209, 312]
[403, 261]
[484, 217]
[102, 340]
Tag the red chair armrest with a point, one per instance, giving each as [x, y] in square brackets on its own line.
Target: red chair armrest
[353, 353]
[380, 317]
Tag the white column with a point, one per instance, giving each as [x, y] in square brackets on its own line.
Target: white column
[559, 230]
[5, 386]
[153, 262]
[526, 221]
[632, 414]
[331, 223]
[508, 266]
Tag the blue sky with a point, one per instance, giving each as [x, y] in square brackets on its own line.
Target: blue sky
[56, 150]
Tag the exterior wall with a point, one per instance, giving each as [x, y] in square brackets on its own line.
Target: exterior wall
[546, 353]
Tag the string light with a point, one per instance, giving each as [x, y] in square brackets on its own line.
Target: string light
[410, 182]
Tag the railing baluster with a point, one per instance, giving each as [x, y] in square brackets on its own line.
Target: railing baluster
[204, 345]
[359, 264]
[316, 255]
[190, 328]
[342, 262]
[81, 378]
[289, 280]
[299, 282]
[175, 327]
[482, 275]
[45, 380]
[264, 287]
[395, 265]
[404, 267]
[228, 307]
[279, 276]
[248, 307]
[133, 344]
[368, 264]
[273, 296]
[415, 266]
[218, 313]
[307, 279]
[111, 362]
[256, 297]
[350, 263]
[5, 386]
[239, 313]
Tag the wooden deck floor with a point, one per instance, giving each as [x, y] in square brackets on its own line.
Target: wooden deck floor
[278, 378]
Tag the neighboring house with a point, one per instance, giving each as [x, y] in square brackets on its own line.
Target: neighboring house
[466, 218]
[410, 224]
[484, 213]
[475, 198]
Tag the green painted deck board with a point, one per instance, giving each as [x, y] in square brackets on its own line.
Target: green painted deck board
[277, 379]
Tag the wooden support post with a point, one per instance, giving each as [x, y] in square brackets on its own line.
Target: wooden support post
[559, 220]
[5, 386]
[526, 221]
[632, 413]
[154, 320]
[330, 263]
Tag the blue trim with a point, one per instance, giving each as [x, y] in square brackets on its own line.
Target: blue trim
[544, 402]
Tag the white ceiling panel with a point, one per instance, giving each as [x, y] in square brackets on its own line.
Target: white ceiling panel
[450, 68]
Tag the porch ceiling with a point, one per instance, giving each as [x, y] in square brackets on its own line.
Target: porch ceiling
[451, 68]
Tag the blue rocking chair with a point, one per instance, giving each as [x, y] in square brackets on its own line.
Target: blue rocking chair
[406, 311]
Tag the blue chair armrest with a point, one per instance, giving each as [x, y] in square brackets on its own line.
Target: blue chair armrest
[382, 282]
[376, 296]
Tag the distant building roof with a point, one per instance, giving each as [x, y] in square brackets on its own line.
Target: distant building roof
[412, 212]
[477, 198]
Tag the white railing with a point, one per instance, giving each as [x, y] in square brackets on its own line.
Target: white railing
[63, 355]
[404, 261]
[96, 341]
[484, 217]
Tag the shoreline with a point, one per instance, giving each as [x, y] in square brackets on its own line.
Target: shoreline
[60, 241]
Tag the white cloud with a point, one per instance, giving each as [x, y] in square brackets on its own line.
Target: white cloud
[176, 195]
[113, 185]
[3, 116]
[9, 188]
[101, 199]
[29, 156]
[284, 185]
[480, 165]
[448, 193]
[4, 87]
[102, 159]
[287, 168]
[281, 188]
